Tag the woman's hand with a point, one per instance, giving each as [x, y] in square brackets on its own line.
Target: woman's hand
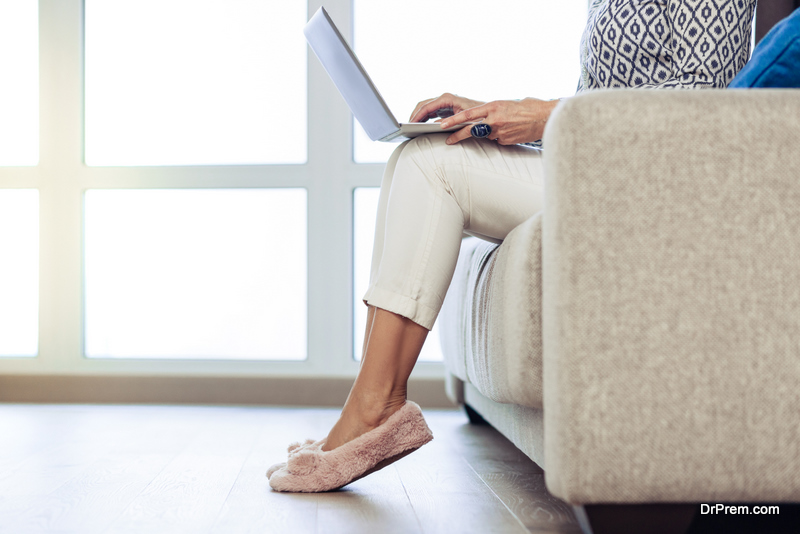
[512, 121]
[426, 109]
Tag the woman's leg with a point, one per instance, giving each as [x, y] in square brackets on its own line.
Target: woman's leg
[380, 225]
[367, 330]
[430, 195]
[380, 387]
[375, 394]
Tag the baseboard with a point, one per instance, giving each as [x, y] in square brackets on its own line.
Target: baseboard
[294, 391]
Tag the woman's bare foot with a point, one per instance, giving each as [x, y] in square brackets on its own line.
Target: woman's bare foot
[359, 416]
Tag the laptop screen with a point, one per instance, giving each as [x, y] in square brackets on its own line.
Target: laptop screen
[349, 76]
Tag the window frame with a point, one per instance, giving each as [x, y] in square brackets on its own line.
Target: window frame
[329, 176]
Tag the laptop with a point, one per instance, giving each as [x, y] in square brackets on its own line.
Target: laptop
[355, 85]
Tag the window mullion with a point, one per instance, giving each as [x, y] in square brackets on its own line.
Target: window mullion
[60, 67]
[330, 214]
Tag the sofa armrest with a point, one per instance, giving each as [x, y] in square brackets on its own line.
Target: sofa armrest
[671, 297]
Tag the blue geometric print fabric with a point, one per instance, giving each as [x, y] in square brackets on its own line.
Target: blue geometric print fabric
[665, 43]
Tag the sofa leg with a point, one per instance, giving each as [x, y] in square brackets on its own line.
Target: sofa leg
[474, 417]
[635, 518]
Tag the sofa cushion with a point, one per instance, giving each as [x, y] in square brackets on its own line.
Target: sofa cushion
[776, 59]
[454, 318]
[491, 319]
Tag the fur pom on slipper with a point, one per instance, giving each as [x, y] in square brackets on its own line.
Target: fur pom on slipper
[294, 447]
[310, 469]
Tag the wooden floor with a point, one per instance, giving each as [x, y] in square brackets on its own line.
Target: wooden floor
[153, 469]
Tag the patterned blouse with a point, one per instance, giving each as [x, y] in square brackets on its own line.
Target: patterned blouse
[679, 44]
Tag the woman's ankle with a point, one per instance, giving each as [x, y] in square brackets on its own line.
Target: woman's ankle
[373, 408]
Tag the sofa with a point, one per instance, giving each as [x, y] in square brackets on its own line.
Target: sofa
[639, 339]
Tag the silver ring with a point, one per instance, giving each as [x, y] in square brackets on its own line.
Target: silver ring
[480, 130]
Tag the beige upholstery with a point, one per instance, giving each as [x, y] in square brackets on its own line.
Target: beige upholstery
[494, 307]
[522, 425]
[670, 305]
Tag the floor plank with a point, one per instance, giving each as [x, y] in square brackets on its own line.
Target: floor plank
[379, 499]
[98, 461]
[188, 494]
[251, 506]
[437, 478]
[527, 498]
[514, 479]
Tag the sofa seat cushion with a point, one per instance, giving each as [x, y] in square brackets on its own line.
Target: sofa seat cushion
[491, 325]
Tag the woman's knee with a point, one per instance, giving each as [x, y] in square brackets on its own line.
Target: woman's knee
[428, 169]
[429, 158]
[423, 158]
[413, 165]
[429, 145]
[391, 164]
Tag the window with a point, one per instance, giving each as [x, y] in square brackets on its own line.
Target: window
[192, 198]
[19, 91]
[188, 82]
[19, 208]
[19, 272]
[197, 273]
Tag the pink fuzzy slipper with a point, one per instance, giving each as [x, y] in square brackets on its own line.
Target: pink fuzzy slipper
[310, 469]
[294, 447]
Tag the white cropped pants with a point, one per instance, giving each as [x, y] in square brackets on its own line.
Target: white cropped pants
[431, 194]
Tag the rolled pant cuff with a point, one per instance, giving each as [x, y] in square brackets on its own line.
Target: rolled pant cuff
[402, 305]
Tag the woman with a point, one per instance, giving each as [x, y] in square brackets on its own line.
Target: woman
[483, 181]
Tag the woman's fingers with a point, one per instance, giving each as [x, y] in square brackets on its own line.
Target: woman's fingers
[468, 115]
[476, 114]
[420, 113]
[459, 135]
[428, 109]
